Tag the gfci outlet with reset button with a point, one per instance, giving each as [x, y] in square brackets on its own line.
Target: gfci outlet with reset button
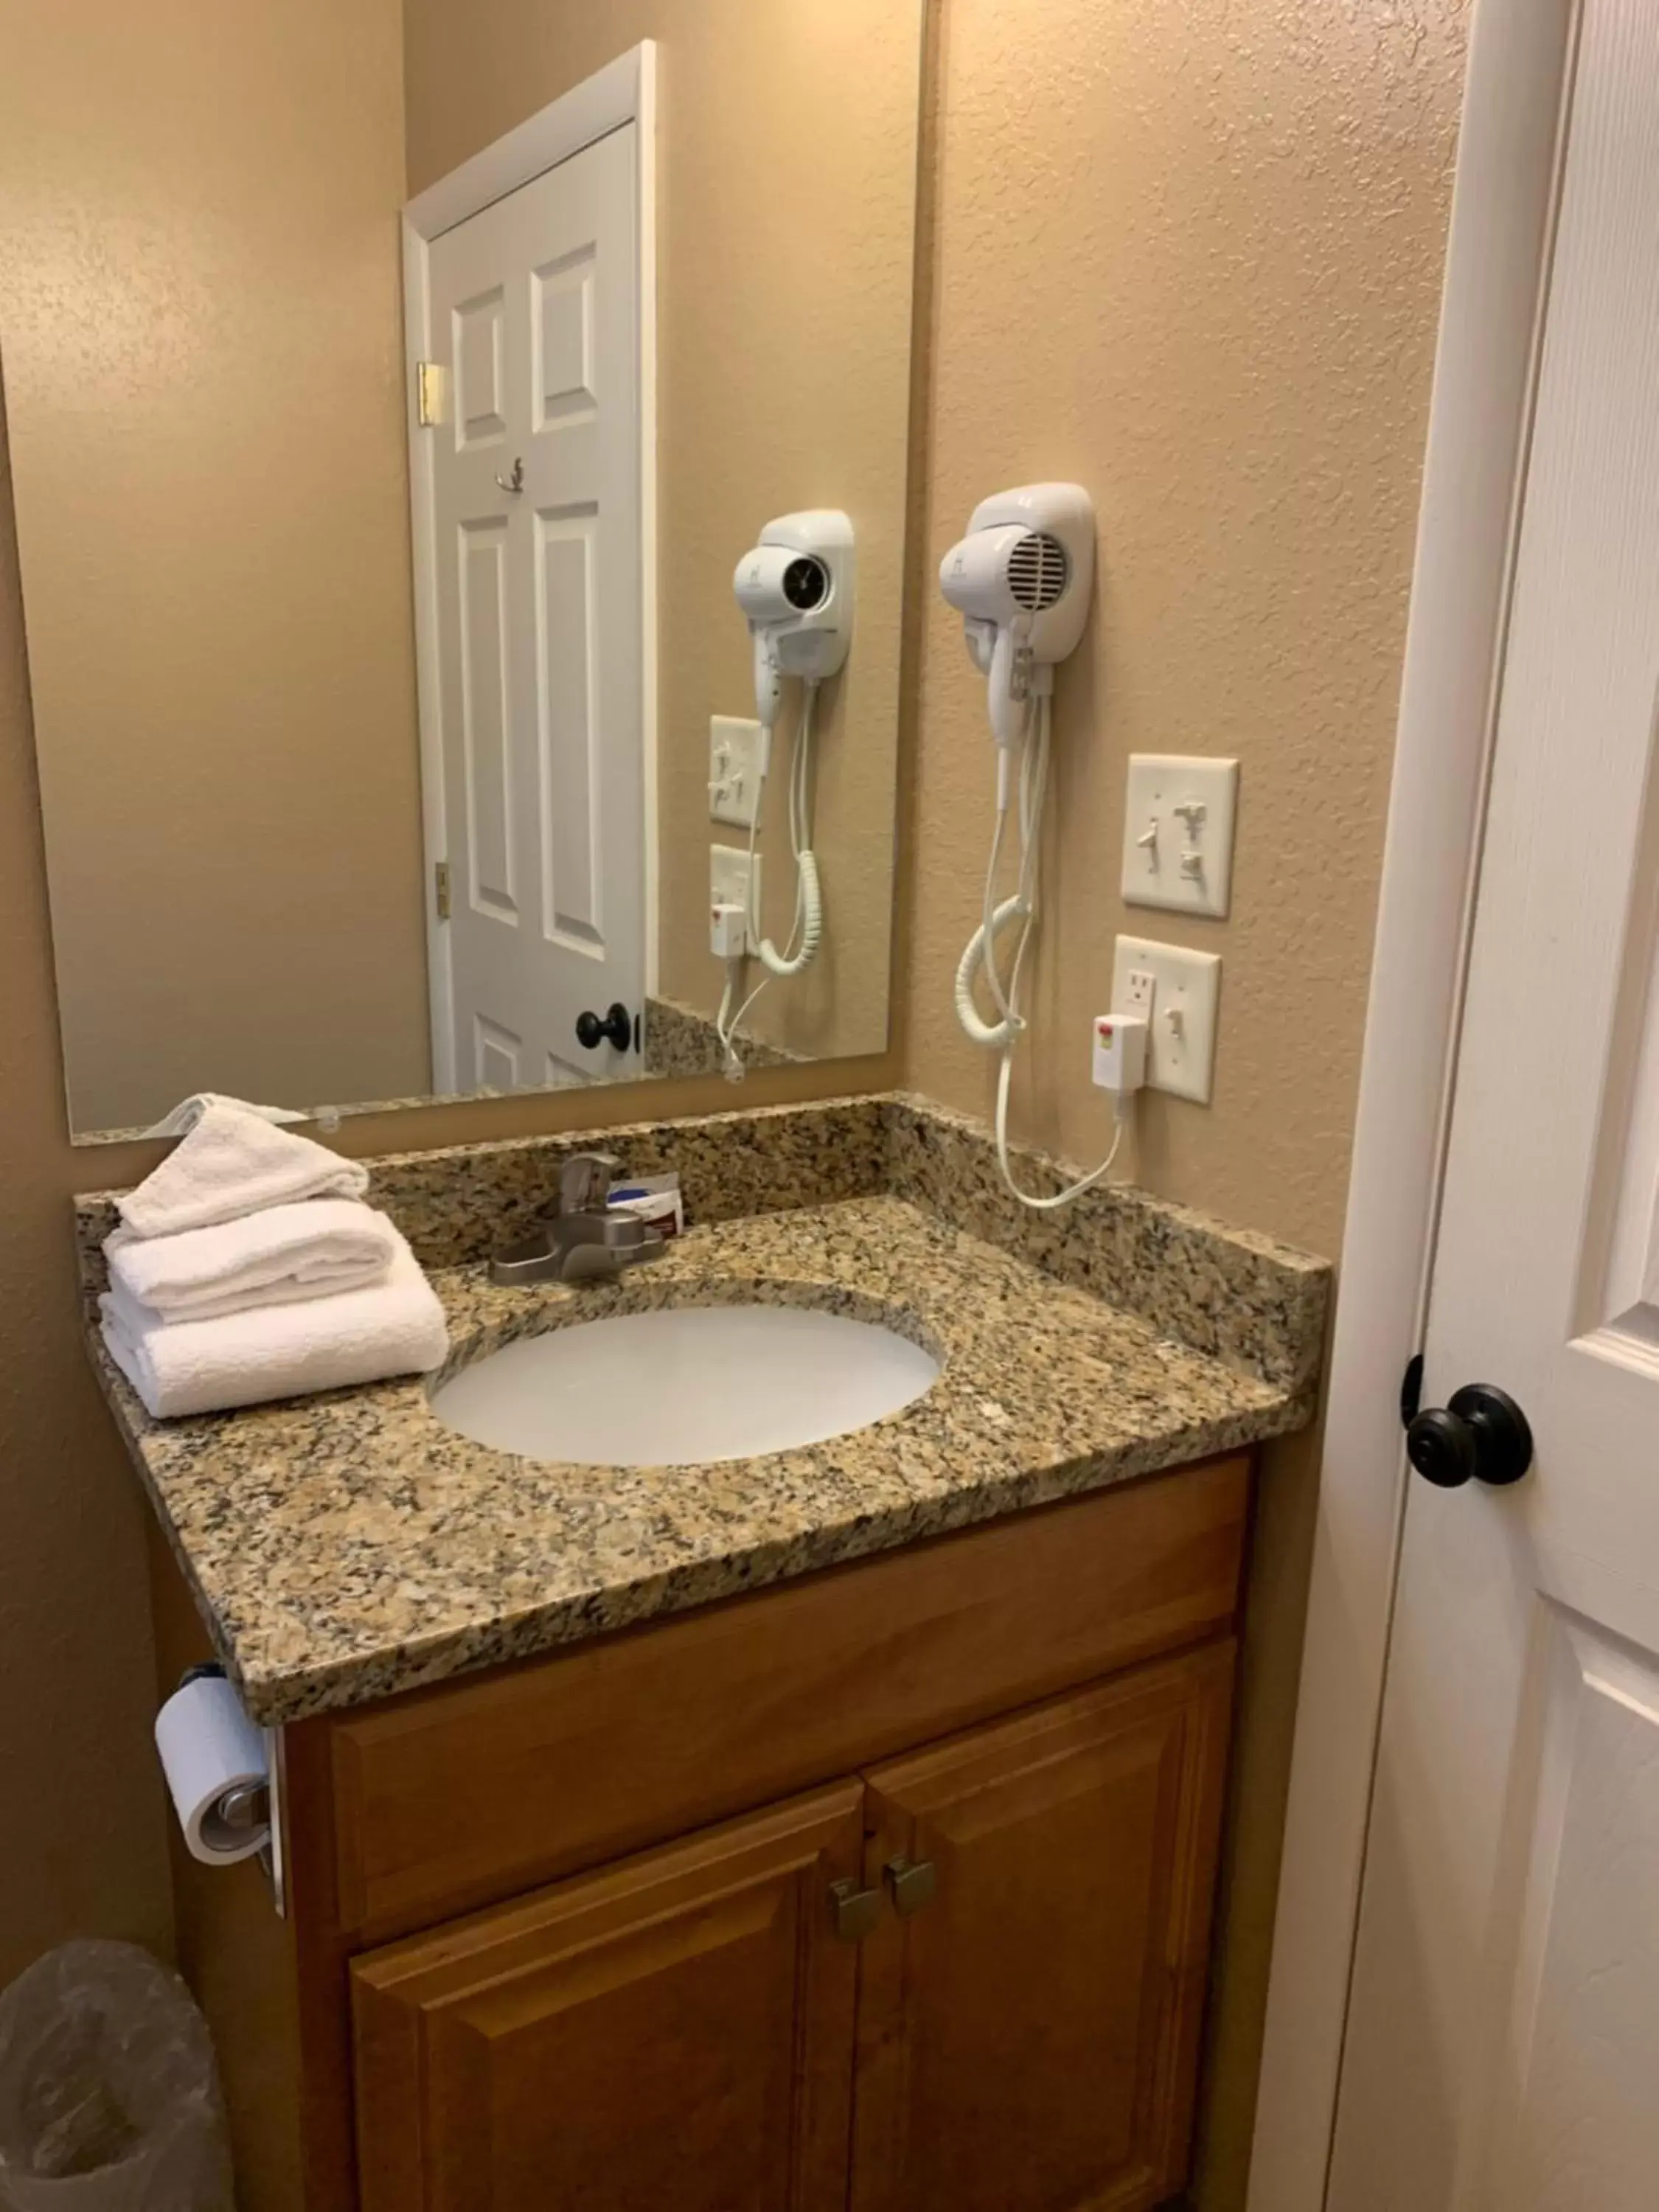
[1177, 993]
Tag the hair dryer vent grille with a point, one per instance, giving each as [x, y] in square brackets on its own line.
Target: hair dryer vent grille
[1037, 568]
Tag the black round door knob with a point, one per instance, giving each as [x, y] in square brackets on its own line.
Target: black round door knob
[615, 1025]
[1481, 1436]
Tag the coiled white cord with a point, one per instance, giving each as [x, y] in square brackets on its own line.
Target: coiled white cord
[980, 956]
[806, 929]
[808, 923]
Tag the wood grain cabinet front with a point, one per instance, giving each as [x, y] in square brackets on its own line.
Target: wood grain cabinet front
[675, 2031]
[888, 1889]
[1029, 2008]
[971, 1982]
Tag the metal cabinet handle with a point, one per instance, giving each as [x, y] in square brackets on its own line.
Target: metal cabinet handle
[856, 1911]
[914, 1883]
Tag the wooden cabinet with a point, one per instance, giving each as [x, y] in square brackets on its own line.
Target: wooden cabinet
[564, 1937]
[1031, 2005]
[676, 2031]
[1000, 2014]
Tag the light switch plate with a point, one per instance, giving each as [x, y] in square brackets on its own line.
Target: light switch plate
[1186, 989]
[734, 754]
[728, 880]
[1178, 832]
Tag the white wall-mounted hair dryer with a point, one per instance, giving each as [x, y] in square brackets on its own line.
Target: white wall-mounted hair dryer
[1023, 580]
[796, 590]
[795, 587]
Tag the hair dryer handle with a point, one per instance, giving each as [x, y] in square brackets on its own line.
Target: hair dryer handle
[768, 684]
[1009, 714]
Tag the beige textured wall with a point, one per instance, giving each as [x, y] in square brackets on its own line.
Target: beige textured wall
[81, 1837]
[1191, 257]
[788, 165]
[200, 315]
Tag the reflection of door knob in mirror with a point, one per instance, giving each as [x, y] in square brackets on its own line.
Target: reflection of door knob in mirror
[1481, 1434]
[617, 1026]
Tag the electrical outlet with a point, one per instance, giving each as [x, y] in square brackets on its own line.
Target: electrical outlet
[1140, 993]
[1176, 992]
[734, 775]
[1178, 832]
[728, 881]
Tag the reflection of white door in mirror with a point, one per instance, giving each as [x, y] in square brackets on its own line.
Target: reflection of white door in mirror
[535, 565]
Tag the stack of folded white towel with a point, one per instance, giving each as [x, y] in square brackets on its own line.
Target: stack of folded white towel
[248, 1267]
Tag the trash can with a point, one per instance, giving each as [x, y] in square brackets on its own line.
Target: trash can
[109, 2097]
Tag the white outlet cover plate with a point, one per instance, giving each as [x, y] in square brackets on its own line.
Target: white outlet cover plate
[1154, 874]
[728, 879]
[1180, 1054]
[734, 756]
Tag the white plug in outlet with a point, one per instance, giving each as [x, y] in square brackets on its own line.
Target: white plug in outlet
[1177, 990]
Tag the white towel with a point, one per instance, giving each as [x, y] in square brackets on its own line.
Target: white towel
[286, 1254]
[189, 1111]
[180, 1367]
[231, 1163]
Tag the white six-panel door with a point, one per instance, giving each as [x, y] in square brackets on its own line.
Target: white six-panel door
[1503, 2044]
[535, 322]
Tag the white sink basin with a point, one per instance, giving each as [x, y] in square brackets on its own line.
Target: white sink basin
[683, 1385]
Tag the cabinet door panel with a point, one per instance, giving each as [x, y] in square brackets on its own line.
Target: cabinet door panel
[674, 2030]
[1029, 2034]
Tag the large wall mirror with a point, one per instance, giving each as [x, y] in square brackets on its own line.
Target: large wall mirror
[398, 397]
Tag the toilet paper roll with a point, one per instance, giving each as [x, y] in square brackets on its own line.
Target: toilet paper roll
[208, 1745]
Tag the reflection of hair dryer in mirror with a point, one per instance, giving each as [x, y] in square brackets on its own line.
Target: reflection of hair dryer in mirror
[795, 588]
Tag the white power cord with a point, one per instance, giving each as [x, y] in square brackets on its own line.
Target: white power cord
[806, 929]
[808, 923]
[981, 958]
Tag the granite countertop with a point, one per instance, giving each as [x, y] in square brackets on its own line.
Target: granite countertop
[347, 1546]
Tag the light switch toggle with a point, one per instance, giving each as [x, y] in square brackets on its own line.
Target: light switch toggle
[1194, 800]
[734, 769]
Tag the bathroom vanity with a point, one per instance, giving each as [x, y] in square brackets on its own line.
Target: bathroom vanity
[834, 1827]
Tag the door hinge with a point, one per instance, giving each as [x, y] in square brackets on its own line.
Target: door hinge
[429, 393]
[441, 888]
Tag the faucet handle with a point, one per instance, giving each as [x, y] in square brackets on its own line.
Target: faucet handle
[585, 1182]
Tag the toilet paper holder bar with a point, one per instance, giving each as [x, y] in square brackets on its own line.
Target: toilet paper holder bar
[245, 1806]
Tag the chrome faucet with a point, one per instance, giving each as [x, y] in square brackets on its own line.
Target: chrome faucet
[582, 1239]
